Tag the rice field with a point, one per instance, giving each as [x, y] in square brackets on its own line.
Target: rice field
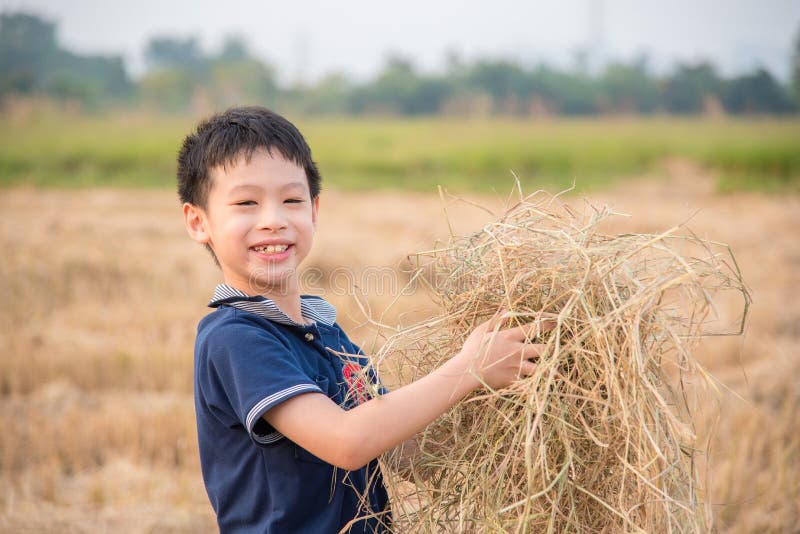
[103, 290]
[138, 150]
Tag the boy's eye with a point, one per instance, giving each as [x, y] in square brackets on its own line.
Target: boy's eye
[245, 203]
[293, 200]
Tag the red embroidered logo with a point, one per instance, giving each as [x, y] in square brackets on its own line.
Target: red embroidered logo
[356, 382]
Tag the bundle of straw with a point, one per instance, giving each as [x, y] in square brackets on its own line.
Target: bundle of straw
[599, 439]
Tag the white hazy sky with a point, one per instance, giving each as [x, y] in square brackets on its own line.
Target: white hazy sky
[305, 39]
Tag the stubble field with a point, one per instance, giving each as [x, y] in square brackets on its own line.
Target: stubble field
[102, 290]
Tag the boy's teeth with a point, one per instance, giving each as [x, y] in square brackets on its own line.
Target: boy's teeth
[271, 249]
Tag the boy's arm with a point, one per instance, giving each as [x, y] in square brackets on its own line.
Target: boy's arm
[351, 438]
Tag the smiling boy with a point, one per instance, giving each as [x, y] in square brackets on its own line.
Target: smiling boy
[287, 441]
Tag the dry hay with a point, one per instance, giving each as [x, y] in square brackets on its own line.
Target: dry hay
[599, 439]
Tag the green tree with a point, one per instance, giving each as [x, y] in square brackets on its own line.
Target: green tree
[565, 92]
[246, 81]
[237, 77]
[795, 69]
[27, 51]
[168, 89]
[629, 88]
[177, 69]
[398, 89]
[757, 92]
[90, 78]
[234, 48]
[503, 80]
[686, 90]
[170, 52]
[330, 95]
[180, 74]
[31, 61]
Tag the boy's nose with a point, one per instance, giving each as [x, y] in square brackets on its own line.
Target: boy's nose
[272, 219]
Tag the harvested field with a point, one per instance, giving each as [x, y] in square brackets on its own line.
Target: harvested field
[103, 291]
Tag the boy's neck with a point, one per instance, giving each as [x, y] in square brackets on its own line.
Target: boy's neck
[288, 304]
[287, 300]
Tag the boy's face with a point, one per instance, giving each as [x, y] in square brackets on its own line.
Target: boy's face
[260, 222]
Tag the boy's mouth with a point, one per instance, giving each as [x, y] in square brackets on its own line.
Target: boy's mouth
[271, 249]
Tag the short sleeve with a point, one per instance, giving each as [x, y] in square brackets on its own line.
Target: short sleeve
[250, 370]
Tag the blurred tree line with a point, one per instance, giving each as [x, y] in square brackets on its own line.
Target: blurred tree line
[181, 77]
[32, 62]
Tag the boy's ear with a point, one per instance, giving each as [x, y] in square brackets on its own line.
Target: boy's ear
[195, 219]
[314, 211]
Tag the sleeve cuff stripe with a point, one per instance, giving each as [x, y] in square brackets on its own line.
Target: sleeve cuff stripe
[266, 402]
[269, 438]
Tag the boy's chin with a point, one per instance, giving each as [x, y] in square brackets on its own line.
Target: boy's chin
[275, 284]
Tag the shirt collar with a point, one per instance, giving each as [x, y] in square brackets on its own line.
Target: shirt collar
[312, 308]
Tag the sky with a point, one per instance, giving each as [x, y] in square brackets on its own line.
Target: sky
[307, 39]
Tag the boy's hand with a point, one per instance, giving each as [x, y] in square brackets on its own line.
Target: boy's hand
[349, 439]
[499, 357]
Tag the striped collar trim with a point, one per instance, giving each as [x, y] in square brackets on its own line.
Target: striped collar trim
[312, 308]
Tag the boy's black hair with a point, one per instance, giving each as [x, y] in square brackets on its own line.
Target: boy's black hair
[224, 137]
[221, 139]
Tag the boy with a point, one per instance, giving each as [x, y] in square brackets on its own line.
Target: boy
[286, 442]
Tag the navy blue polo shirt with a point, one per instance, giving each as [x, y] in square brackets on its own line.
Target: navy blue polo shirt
[249, 357]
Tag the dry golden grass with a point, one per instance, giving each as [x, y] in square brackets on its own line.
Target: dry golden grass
[599, 437]
[103, 290]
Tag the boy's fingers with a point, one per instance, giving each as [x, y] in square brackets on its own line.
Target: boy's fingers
[534, 329]
[531, 351]
[495, 319]
[527, 368]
